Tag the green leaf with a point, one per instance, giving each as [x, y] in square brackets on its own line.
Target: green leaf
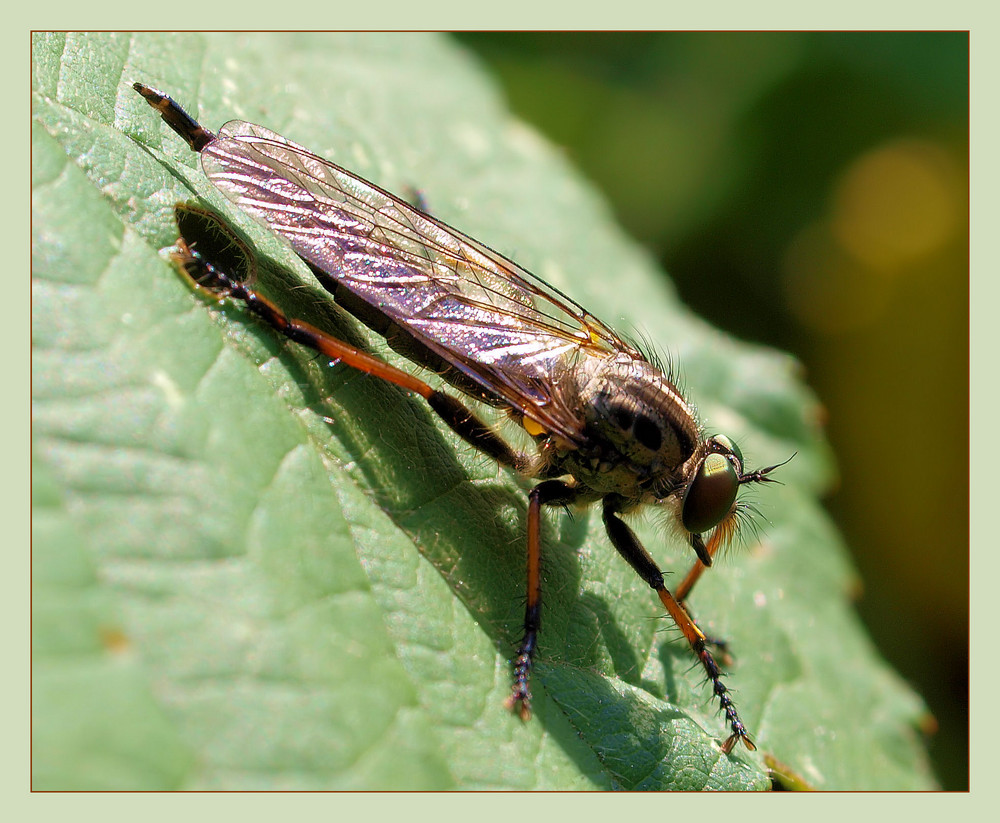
[255, 571]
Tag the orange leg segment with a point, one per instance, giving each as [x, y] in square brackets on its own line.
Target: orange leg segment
[629, 547]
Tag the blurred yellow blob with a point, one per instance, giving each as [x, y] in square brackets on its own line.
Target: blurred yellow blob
[898, 203]
[892, 211]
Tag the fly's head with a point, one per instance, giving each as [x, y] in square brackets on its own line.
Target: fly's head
[642, 443]
[708, 500]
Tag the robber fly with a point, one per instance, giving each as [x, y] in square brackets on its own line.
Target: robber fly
[608, 423]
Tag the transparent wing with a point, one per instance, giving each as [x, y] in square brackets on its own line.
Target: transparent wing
[497, 323]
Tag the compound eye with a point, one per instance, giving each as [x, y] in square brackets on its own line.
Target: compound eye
[723, 445]
[711, 494]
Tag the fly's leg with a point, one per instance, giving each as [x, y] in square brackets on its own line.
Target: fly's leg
[629, 547]
[705, 552]
[693, 576]
[453, 412]
[472, 430]
[549, 493]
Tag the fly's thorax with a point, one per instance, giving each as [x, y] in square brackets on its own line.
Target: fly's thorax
[638, 430]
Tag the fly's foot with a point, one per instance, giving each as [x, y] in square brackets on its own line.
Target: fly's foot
[739, 731]
[519, 700]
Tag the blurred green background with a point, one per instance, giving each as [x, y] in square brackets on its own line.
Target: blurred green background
[810, 191]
